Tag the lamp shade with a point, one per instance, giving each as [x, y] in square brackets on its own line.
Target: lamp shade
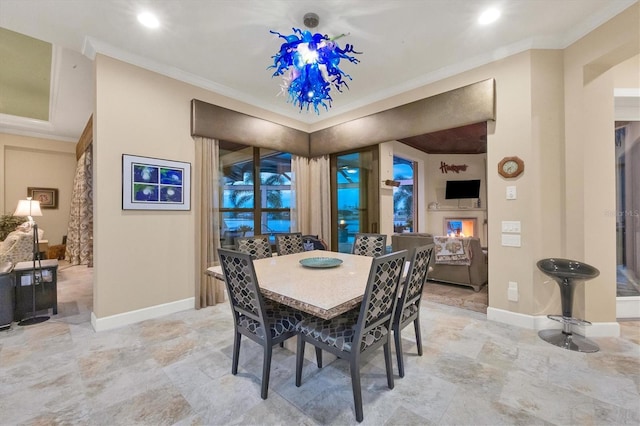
[28, 207]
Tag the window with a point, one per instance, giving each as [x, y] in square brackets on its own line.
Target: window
[255, 191]
[403, 200]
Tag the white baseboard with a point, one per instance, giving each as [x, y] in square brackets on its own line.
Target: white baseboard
[628, 307]
[541, 322]
[132, 317]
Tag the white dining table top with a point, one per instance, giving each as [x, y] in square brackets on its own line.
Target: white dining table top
[323, 292]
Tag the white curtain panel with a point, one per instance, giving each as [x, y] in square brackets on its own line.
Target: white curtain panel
[208, 290]
[319, 194]
[300, 208]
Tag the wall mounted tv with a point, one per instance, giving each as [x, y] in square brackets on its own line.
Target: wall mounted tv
[457, 189]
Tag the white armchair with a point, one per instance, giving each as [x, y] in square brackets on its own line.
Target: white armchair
[18, 246]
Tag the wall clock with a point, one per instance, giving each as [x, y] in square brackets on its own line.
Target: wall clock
[510, 167]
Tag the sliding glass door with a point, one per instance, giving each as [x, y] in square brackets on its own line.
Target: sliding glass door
[355, 196]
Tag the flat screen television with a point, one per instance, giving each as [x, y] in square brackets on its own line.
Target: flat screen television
[457, 189]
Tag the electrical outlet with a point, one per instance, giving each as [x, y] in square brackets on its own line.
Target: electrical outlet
[511, 193]
[512, 291]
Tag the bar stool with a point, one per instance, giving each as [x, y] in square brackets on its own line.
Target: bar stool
[566, 273]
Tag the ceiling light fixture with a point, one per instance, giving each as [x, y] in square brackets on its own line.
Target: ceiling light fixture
[309, 66]
[489, 16]
[148, 19]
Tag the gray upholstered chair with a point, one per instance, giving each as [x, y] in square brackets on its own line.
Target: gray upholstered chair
[257, 246]
[373, 245]
[289, 243]
[358, 332]
[408, 309]
[313, 242]
[263, 321]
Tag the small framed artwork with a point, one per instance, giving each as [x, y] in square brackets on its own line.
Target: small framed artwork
[48, 197]
[155, 184]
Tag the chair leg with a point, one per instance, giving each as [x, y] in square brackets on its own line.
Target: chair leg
[397, 337]
[416, 326]
[282, 344]
[266, 369]
[299, 360]
[236, 353]
[357, 390]
[319, 357]
[388, 364]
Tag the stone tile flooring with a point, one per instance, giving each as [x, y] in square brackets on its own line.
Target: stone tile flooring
[176, 370]
[457, 295]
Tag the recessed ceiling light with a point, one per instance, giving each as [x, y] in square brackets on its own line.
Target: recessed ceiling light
[489, 16]
[148, 19]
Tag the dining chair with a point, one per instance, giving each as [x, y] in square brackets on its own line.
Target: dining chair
[408, 309]
[289, 243]
[257, 246]
[266, 322]
[360, 331]
[373, 245]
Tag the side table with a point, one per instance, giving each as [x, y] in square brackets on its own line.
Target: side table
[46, 291]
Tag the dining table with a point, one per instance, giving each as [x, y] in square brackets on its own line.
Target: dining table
[330, 284]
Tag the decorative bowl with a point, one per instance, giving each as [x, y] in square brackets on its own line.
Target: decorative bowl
[320, 262]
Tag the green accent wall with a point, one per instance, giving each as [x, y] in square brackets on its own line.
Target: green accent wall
[25, 75]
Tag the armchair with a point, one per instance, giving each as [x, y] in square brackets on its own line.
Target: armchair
[472, 273]
[18, 246]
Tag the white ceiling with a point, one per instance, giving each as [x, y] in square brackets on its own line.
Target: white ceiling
[225, 45]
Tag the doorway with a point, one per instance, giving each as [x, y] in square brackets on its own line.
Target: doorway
[627, 208]
[404, 201]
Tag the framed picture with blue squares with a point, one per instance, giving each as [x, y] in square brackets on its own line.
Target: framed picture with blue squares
[155, 184]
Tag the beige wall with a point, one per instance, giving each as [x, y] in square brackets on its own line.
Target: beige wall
[143, 258]
[436, 184]
[590, 158]
[34, 162]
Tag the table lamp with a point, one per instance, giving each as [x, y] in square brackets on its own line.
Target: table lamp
[31, 208]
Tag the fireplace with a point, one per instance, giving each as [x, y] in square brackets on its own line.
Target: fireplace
[461, 226]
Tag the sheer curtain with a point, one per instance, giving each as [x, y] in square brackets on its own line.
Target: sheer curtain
[312, 211]
[79, 250]
[208, 290]
[300, 195]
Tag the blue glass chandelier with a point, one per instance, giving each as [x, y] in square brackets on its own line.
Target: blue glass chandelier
[310, 67]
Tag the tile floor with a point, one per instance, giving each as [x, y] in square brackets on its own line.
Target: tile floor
[176, 370]
[457, 295]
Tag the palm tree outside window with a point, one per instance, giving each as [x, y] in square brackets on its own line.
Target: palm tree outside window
[255, 191]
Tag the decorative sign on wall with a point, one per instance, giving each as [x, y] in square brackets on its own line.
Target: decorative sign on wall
[456, 168]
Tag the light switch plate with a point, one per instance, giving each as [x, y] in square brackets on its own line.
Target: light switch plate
[511, 193]
[511, 226]
[511, 240]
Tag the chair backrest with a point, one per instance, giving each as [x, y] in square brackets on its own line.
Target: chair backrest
[242, 285]
[416, 277]
[289, 243]
[373, 245]
[381, 295]
[17, 247]
[257, 246]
